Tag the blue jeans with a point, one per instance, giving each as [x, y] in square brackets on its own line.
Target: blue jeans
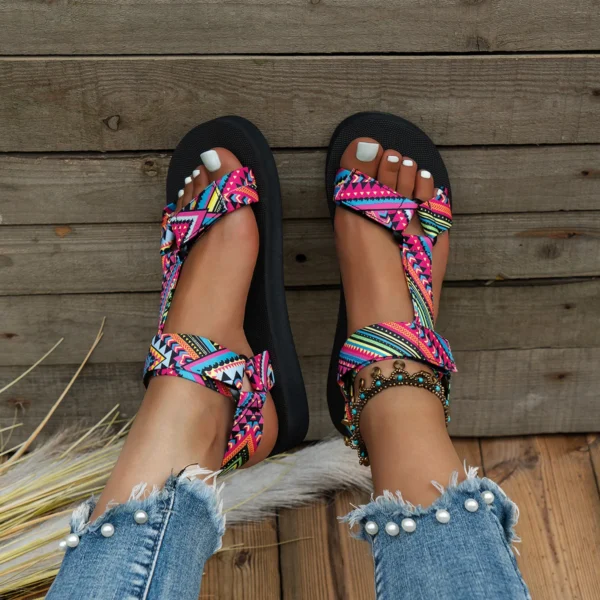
[155, 549]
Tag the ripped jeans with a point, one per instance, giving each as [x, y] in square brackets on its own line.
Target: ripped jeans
[155, 549]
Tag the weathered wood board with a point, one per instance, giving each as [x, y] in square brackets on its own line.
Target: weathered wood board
[475, 318]
[54, 104]
[281, 26]
[124, 257]
[247, 565]
[129, 188]
[551, 479]
[496, 392]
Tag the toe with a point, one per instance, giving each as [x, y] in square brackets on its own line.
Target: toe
[201, 180]
[389, 167]
[186, 193]
[219, 162]
[363, 154]
[424, 185]
[406, 177]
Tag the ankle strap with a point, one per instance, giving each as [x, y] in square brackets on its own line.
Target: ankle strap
[202, 361]
[205, 362]
[392, 340]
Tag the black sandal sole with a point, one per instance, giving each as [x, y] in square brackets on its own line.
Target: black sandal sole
[266, 323]
[394, 133]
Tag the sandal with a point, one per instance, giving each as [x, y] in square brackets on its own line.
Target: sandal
[266, 321]
[415, 340]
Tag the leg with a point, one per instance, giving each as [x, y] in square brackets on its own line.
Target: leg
[154, 542]
[459, 547]
[403, 421]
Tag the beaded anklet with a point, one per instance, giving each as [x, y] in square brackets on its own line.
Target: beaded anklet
[399, 376]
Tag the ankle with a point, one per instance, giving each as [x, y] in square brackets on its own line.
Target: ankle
[408, 444]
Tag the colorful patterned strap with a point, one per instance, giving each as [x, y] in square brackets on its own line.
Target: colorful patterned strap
[196, 358]
[202, 361]
[414, 340]
[179, 231]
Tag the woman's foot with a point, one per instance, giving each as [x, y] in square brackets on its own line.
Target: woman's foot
[403, 427]
[180, 422]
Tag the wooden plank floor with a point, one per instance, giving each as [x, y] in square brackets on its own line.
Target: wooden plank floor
[306, 554]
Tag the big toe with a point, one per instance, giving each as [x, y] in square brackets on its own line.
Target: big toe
[363, 154]
[219, 162]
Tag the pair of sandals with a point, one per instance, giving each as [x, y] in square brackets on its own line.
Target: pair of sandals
[266, 321]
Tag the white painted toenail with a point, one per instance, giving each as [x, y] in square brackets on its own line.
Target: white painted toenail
[366, 151]
[211, 160]
[425, 174]
[188, 180]
[393, 159]
[180, 193]
[407, 162]
[195, 173]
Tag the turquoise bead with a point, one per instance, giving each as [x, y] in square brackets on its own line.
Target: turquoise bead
[362, 396]
[420, 380]
[437, 388]
[354, 411]
[400, 378]
[378, 383]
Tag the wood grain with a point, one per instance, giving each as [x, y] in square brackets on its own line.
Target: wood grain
[505, 392]
[551, 480]
[308, 555]
[124, 258]
[565, 314]
[247, 566]
[205, 27]
[129, 188]
[354, 569]
[54, 104]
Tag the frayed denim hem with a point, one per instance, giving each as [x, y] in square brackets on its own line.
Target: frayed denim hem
[393, 505]
[192, 481]
[147, 548]
[459, 547]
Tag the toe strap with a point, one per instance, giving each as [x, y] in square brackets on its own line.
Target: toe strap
[206, 363]
[181, 229]
[362, 193]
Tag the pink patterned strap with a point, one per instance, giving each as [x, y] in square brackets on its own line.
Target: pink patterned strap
[206, 363]
[361, 192]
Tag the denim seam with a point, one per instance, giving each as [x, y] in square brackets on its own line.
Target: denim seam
[378, 573]
[158, 544]
[511, 556]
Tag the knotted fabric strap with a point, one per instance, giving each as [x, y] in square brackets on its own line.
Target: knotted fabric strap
[415, 340]
[179, 231]
[196, 358]
[206, 363]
